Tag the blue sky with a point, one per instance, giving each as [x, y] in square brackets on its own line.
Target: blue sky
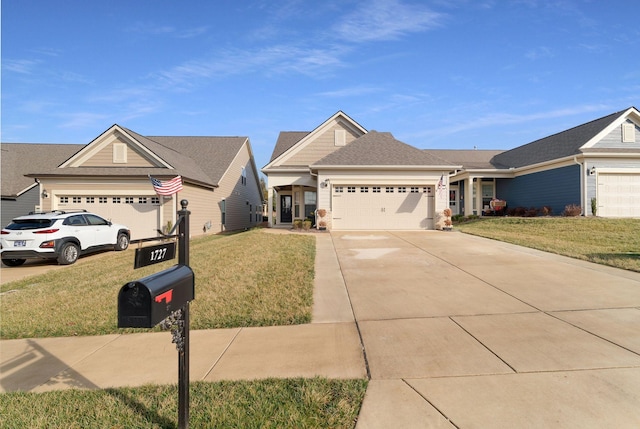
[435, 73]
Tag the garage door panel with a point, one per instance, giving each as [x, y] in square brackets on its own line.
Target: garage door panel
[380, 207]
[618, 195]
[142, 216]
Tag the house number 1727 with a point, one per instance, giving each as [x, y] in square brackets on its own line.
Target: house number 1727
[158, 254]
[155, 254]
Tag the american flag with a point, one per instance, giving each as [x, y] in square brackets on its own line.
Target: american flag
[168, 187]
[441, 184]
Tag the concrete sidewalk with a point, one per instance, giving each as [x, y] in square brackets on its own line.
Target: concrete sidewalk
[457, 332]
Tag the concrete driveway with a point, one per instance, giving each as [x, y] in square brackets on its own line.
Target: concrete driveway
[465, 332]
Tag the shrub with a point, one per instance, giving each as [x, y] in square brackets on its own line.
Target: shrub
[519, 211]
[297, 224]
[546, 211]
[594, 206]
[531, 212]
[457, 218]
[306, 225]
[572, 210]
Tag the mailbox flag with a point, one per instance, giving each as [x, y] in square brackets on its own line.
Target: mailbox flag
[168, 187]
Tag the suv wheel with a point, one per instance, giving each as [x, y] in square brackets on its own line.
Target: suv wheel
[68, 254]
[13, 262]
[123, 242]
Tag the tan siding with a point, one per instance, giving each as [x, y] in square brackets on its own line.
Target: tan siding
[104, 158]
[321, 146]
[204, 210]
[236, 194]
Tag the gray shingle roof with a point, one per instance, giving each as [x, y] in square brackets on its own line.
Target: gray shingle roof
[19, 159]
[561, 145]
[286, 140]
[212, 155]
[378, 149]
[470, 159]
[202, 160]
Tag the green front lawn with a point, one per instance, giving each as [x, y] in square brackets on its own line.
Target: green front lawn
[614, 242]
[248, 279]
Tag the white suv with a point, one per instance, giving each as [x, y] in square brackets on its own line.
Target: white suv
[59, 235]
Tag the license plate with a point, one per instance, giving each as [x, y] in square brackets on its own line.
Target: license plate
[20, 243]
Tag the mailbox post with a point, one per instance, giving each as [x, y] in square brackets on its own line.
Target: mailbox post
[163, 298]
[183, 355]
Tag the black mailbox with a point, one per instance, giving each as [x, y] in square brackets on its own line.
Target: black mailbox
[146, 302]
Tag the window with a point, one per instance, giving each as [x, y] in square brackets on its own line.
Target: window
[102, 200]
[244, 176]
[223, 210]
[128, 200]
[64, 200]
[142, 200]
[376, 189]
[75, 220]
[309, 203]
[339, 189]
[77, 200]
[351, 189]
[155, 200]
[389, 189]
[91, 200]
[364, 189]
[402, 189]
[415, 189]
[116, 200]
[250, 210]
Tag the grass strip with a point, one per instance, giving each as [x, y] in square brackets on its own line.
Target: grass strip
[270, 403]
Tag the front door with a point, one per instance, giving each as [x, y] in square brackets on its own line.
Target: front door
[285, 209]
[453, 200]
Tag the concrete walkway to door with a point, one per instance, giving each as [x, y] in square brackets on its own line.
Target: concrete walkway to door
[465, 332]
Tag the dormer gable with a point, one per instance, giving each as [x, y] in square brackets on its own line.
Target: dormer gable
[334, 133]
[115, 148]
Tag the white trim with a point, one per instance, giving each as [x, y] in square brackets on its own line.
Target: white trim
[616, 123]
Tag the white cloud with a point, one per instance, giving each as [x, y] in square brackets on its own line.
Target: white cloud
[82, 120]
[20, 66]
[386, 20]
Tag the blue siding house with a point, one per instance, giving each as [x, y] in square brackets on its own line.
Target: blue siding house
[598, 160]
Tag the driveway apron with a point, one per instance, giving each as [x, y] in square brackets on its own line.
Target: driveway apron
[465, 332]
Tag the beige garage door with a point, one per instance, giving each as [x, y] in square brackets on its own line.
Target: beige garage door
[381, 207]
[618, 195]
[140, 213]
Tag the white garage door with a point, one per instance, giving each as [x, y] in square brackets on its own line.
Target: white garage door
[382, 207]
[618, 195]
[140, 214]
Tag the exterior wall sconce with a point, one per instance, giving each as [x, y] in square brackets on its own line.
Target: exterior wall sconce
[592, 171]
[325, 183]
[45, 194]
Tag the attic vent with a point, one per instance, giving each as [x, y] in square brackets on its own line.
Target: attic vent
[340, 137]
[119, 153]
[628, 133]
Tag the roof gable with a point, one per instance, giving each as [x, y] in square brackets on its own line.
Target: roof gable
[102, 152]
[561, 145]
[298, 148]
[469, 158]
[380, 149]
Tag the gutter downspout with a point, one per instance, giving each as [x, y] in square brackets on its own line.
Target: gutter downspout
[583, 185]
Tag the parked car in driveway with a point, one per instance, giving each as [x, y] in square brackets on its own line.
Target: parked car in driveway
[60, 235]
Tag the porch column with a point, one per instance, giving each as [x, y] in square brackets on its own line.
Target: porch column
[270, 207]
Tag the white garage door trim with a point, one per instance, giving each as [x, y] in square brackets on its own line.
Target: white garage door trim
[618, 194]
[140, 213]
[382, 207]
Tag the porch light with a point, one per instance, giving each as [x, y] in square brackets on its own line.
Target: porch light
[592, 171]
